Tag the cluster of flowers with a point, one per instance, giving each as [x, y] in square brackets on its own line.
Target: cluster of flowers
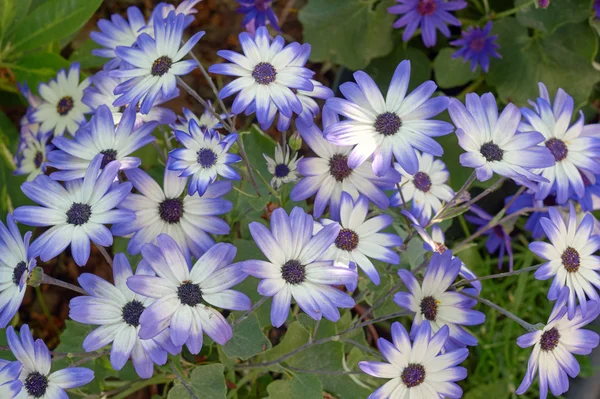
[368, 145]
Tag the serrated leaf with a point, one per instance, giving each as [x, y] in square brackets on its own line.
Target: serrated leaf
[452, 72]
[558, 13]
[205, 381]
[248, 340]
[300, 386]
[382, 69]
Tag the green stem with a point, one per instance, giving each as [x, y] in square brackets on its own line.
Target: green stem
[510, 12]
[241, 382]
[45, 310]
[521, 322]
[495, 276]
[244, 193]
[159, 379]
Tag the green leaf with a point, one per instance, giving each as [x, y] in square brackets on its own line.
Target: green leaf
[11, 195]
[452, 72]
[205, 381]
[259, 203]
[563, 59]
[248, 340]
[300, 386]
[347, 32]
[38, 67]
[558, 13]
[83, 55]
[52, 21]
[71, 339]
[8, 11]
[382, 69]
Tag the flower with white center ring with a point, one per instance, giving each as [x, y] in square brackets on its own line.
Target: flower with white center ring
[283, 168]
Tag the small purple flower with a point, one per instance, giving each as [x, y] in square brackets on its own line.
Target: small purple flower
[429, 15]
[477, 46]
[543, 3]
[498, 239]
[258, 13]
[597, 10]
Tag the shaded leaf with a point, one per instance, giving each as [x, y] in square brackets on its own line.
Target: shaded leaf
[300, 386]
[382, 69]
[248, 340]
[205, 381]
[452, 72]
[558, 13]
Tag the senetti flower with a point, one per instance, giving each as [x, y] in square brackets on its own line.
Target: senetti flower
[206, 121]
[498, 238]
[429, 15]
[293, 269]
[155, 64]
[573, 148]
[435, 304]
[10, 385]
[100, 137]
[283, 168]
[35, 376]
[267, 74]
[477, 46]
[417, 369]
[184, 292]
[397, 125]
[32, 156]
[62, 108]
[571, 259]
[76, 213]
[493, 143]
[554, 346]
[258, 13]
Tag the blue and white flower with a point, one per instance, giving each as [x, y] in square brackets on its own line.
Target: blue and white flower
[267, 76]
[426, 189]
[434, 303]
[360, 239]
[100, 137]
[62, 108]
[554, 346]
[117, 310]
[162, 10]
[329, 174]
[283, 168]
[397, 125]
[182, 292]
[32, 154]
[293, 269]
[206, 121]
[417, 369]
[258, 13]
[204, 157]
[76, 213]
[571, 259]
[494, 144]
[189, 220]
[10, 384]
[156, 63]
[35, 376]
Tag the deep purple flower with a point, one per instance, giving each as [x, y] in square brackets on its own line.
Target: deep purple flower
[528, 201]
[498, 238]
[258, 13]
[597, 10]
[477, 46]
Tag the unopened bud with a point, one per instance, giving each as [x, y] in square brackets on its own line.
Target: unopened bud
[295, 141]
[35, 277]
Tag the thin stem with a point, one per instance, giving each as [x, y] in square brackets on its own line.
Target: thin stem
[161, 153]
[202, 102]
[512, 11]
[240, 383]
[494, 276]
[182, 380]
[363, 347]
[104, 253]
[379, 302]
[250, 311]
[159, 379]
[286, 12]
[456, 197]
[52, 281]
[325, 372]
[315, 330]
[44, 306]
[244, 193]
[521, 322]
[486, 192]
[514, 198]
[88, 358]
[247, 164]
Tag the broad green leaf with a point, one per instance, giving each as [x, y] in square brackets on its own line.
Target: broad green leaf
[452, 72]
[71, 339]
[8, 11]
[558, 13]
[52, 21]
[259, 203]
[382, 69]
[205, 381]
[248, 340]
[35, 68]
[83, 55]
[11, 195]
[347, 32]
[300, 386]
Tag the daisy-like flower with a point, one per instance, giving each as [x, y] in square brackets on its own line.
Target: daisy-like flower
[574, 148]
[395, 125]
[77, 212]
[206, 121]
[426, 188]
[283, 168]
[267, 75]
[32, 155]
[156, 63]
[182, 292]
[186, 7]
[493, 143]
[33, 102]
[417, 369]
[189, 220]
[477, 45]
[329, 174]
[62, 108]
[101, 92]
[360, 239]
[294, 270]
[435, 304]
[257, 13]
[554, 346]
[100, 137]
[429, 15]
[498, 238]
[10, 384]
[117, 310]
[35, 376]
[17, 261]
[571, 259]
[204, 157]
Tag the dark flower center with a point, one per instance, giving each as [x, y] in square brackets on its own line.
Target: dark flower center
[491, 152]
[429, 308]
[264, 73]
[570, 259]
[18, 272]
[550, 200]
[282, 170]
[293, 272]
[36, 384]
[189, 293]
[422, 181]
[477, 44]
[79, 214]
[388, 123]
[132, 312]
[64, 105]
[558, 148]
[39, 158]
[550, 339]
[109, 156]
[161, 66]
[338, 167]
[171, 210]
[426, 7]
[347, 240]
[413, 375]
[206, 157]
